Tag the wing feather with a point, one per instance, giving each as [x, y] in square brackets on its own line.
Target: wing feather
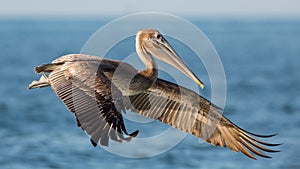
[188, 111]
[89, 96]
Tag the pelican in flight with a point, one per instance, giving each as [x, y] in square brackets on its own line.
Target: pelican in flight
[99, 90]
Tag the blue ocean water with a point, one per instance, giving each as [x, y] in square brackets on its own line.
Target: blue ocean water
[261, 61]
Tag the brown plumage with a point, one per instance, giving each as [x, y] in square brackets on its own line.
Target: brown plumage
[98, 90]
[185, 110]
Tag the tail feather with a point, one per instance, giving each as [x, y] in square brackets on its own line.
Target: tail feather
[43, 82]
[47, 67]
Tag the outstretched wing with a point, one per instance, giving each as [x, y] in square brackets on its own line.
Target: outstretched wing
[187, 111]
[94, 100]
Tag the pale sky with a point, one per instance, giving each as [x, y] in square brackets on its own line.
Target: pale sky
[98, 8]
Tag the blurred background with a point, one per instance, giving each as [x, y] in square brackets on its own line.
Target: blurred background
[258, 43]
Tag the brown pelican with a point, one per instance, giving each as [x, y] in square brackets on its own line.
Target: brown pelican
[98, 90]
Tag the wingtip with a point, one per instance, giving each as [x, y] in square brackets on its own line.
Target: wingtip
[93, 143]
[259, 135]
[134, 134]
[253, 158]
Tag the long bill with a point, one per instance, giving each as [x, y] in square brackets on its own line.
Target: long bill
[161, 49]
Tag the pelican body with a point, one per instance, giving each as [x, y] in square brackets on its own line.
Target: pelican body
[98, 90]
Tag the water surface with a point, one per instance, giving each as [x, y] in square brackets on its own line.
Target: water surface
[261, 62]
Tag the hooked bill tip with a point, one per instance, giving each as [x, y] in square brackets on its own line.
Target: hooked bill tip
[200, 84]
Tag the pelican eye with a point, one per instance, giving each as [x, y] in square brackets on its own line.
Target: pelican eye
[159, 36]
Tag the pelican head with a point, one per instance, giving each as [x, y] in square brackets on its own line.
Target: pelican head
[151, 41]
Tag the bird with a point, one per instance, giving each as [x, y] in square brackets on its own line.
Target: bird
[98, 90]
